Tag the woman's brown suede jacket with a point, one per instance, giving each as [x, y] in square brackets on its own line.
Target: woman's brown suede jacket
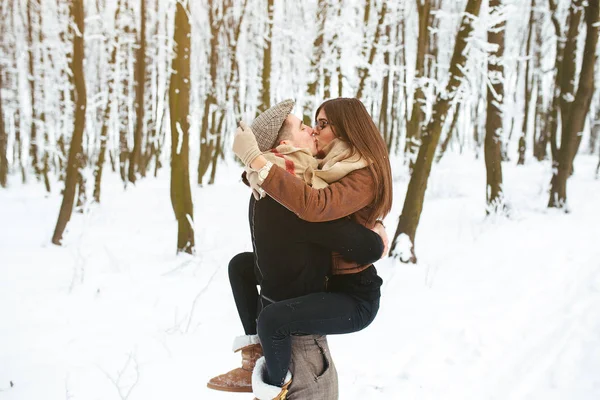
[352, 196]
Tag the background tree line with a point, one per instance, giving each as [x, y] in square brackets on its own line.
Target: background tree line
[136, 85]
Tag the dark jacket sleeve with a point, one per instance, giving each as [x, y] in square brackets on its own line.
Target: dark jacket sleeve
[342, 198]
[351, 240]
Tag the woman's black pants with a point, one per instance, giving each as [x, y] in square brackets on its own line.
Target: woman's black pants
[323, 313]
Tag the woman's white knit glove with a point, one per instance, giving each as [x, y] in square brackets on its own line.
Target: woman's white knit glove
[245, 145]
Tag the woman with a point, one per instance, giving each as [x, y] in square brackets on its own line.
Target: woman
[365, 195]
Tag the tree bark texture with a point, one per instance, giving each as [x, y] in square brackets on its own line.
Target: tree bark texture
[179, 105]
[76, 150]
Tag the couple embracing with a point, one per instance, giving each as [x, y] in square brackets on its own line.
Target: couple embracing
[318, 197]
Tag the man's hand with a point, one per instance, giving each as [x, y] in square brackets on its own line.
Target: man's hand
[252, 177]
[379, 229]
[245, 145]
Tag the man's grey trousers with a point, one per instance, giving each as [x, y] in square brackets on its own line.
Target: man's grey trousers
[314, 376]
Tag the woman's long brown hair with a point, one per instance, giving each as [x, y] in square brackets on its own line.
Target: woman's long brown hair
[351, 122]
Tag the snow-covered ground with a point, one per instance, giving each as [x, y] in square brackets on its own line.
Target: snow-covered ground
[496, 308]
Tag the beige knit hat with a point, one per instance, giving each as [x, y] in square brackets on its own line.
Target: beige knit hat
[267, 124]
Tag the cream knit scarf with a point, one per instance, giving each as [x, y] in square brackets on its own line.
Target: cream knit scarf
[319, 173]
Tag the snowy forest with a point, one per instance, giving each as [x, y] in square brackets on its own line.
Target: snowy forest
[131, 87]
[107, 106]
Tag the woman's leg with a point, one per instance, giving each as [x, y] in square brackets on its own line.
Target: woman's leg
[243, 285]
[313, 314]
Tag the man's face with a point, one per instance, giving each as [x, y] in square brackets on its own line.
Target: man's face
[302, 135]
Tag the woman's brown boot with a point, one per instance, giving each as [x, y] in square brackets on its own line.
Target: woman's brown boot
[239, 379]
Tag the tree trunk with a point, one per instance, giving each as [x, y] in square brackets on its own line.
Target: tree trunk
[541, 126]
[494, 131]
[527, 90]
[106, 118]
[45, 166]
[123, 111]
[413, 204]
[568, 73]
[553, 115]
[594, 131]
[3, 131]
[233, 81]
[417, 117]
[216, 155]
[598, 166]
[317, 57]
[207, 128]
[3, 140]
[363, 72]
[478, 125]
[446, 142]
[81, 185]
[153, 78]
[265, 92]
[33, 146]
[575, 120]
[541, 114]
[14, 11]
[140, 79]
[179, 105]
[76, 150]
[404, 63]
[385, 91]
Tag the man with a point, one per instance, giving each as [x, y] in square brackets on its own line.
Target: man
[291, 258]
